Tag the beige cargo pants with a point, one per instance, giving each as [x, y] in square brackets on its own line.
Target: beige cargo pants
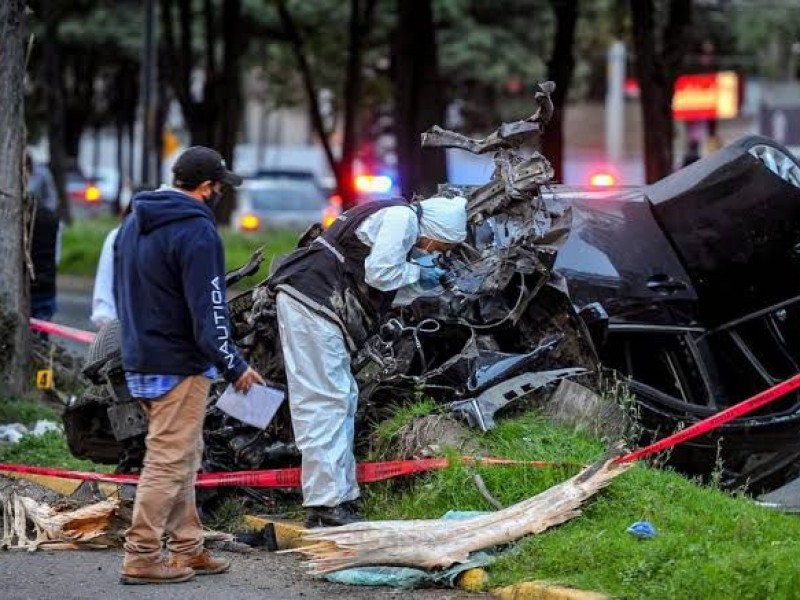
[165, 500]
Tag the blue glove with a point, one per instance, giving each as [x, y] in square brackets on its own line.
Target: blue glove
[429, 277]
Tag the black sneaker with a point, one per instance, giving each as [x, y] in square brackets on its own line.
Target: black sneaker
[327, 516]
[353, 506]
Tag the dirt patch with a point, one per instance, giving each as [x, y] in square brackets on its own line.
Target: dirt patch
[432, 435]
[575, 405]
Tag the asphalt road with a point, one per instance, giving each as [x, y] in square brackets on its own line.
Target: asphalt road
[68, 575]
[74, 309]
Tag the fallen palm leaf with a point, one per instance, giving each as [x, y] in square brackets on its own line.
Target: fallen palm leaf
[85, 524]
[34, 517]
[439, 543]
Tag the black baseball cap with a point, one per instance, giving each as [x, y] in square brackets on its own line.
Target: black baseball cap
[198, 164]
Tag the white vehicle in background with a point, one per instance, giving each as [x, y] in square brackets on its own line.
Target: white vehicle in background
[106, 180]
[281, 199]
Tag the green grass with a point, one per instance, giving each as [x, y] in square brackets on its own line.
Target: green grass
[386, 430]
[709, 544]
[228, 515]
[240, 246]
[48, 450]
[27, 411]
[82, 243]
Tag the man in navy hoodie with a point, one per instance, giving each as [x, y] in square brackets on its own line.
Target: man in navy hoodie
[169, 288]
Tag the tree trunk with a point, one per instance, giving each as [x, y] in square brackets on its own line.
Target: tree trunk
[418, 98]
[559, 70]
[298, 49]
[656, 73]
[14, 306]
[229, 96]
[55, 106]
[131, 130]
[352, 95]
[78, 73]
[200, 131]
[215, 120]
[73, 132]
[96, 131]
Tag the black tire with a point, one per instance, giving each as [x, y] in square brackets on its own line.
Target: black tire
[106, 345]
[758, 146]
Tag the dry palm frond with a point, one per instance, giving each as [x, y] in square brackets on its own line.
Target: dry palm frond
[33, 516]
[82, 525]
[438, 543]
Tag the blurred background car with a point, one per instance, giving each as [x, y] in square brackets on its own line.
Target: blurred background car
[282, 199]
[106, 180]
[85, 197]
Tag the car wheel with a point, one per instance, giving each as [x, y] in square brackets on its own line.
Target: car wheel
[776, 158]
[107, 341]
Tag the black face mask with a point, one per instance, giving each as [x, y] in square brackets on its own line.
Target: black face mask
[213, 200]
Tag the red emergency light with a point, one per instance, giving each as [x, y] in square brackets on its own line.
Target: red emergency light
[373, 184]
[602, 179]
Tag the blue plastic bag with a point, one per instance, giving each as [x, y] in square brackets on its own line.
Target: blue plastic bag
[642, 529]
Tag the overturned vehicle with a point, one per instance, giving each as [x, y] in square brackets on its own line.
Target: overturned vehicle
[688, 288]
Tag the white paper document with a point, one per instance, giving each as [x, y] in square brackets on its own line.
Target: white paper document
[257, 407]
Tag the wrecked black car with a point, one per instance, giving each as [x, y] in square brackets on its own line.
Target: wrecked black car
[685, 287]
[698, 276]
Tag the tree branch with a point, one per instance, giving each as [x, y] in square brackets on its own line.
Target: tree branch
[676, 39]
[170, 49]
[560, 68]
[298, 49]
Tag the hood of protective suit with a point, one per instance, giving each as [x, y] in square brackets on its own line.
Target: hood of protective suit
[444, 219]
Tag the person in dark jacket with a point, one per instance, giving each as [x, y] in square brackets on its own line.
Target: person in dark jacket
[43, 256]
[169, 290]
[44, 245]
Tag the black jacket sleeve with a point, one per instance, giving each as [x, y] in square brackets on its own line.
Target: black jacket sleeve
[202, 261]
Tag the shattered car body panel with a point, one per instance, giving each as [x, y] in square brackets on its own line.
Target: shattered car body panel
[667, 284]
[617, 255]
[685, 269]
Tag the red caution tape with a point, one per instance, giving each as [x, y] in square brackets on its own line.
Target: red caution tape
[281, 478]
[62, 331]
[716, 420]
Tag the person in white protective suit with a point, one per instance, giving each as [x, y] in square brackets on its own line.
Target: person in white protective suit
[330, 299]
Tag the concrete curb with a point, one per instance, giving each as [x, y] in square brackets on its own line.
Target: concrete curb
[287, 533]
[60, 485]
[541, 590]
[472, 580]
